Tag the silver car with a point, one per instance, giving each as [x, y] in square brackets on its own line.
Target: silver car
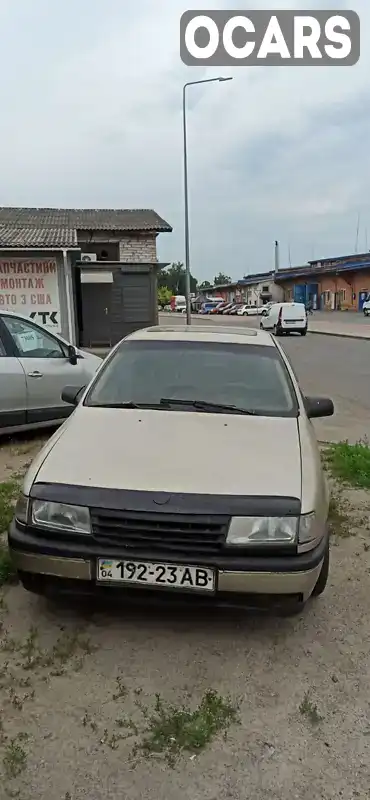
[35, 365]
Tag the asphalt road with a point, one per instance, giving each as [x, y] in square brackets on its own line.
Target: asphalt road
[331, 366]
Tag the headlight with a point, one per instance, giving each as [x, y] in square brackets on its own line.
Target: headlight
[21, 509]
[61, 517]
[262, 530]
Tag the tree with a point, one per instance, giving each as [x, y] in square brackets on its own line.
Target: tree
[164, 296]
[174, 279]
[221, 279]
[205, 285]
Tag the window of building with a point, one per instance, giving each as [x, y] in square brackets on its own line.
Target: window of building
[265, 288]
[342, 295]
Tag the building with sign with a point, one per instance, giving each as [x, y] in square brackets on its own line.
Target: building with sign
[89, 275]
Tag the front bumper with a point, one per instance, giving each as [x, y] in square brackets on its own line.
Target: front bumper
[275, 577]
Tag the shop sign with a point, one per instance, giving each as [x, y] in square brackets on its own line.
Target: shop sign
[30, 287]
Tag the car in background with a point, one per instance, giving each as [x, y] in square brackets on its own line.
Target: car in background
[230, 309]
[226, 309]
[285, 318]
[247, 310]
[264, 309]
[35, 365]
[234, 310]
[217, 309]
[101, 513]
[366, 308]
[208, 307]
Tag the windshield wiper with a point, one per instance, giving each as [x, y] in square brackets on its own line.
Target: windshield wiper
[205, 405]
[129, 404]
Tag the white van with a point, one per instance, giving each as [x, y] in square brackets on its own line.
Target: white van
[285, 318]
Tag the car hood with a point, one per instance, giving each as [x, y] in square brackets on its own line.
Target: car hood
[173, 451]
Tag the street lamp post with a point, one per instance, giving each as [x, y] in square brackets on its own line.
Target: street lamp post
[186, 202]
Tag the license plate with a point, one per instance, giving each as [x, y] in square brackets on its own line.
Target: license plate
[169, 576]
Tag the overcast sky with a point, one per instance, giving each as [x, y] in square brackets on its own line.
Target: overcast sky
[90, 101]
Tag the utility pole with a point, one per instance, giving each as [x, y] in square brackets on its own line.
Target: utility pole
[186, 200]
[276, 257]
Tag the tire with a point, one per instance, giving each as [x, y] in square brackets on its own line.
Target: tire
[261, 326]
[303, 333]
[277, 330]
[324, 574]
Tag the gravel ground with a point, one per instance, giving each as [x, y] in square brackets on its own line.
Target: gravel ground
[74, 679]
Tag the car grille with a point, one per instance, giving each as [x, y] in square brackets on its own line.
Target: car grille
[165, 535]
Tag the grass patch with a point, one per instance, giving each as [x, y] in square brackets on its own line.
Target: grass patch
[339, 518]
[171, 731]
[15, 758]
[9, 491]
[7, 570]
[309, 710]
[349, 463]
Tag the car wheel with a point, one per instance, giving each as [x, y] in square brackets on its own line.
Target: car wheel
[303, 333]
[261, 326]
[324, 574]
[277, 330]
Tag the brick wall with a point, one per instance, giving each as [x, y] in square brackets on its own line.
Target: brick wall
[142, 248]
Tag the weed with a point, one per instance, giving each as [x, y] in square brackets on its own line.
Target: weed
[121, 692]
[68, 645]
[30, 650]
[9, 491]
[172, 730]
[349, 463]
[17, 701]
[309, 709]
[3, 604]
[15, 758]
[126, 722]
[7, 644]
[7, 569]
[339, 519]
[112, 740]
[87, 721]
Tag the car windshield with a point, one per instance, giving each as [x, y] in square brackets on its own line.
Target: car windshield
[250, 377]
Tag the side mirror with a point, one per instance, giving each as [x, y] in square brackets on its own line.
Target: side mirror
[318, 407]
[72, 394]
[72, 355]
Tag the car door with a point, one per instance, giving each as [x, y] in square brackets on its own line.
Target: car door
[47, 368]
[13, 390]
[267, 320]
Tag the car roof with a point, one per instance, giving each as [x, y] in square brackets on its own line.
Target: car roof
[205, 333]
[288, 304]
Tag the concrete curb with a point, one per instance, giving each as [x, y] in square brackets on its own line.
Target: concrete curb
[341, 335]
